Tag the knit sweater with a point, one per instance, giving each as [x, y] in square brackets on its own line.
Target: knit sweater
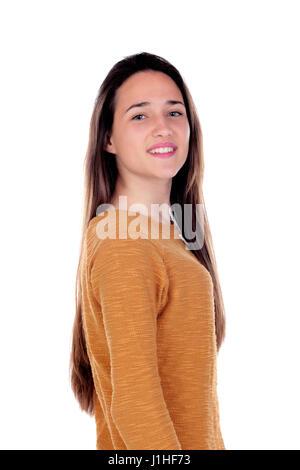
[149, 326]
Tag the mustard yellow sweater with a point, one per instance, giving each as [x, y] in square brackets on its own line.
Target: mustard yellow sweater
[148, 318]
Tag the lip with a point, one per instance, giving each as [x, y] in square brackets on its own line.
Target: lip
[162, 144]
[163, 155]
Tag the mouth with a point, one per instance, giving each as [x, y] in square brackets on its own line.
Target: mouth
[162, 150]
[163, 155]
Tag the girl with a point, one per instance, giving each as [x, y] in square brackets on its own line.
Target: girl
[149, 311]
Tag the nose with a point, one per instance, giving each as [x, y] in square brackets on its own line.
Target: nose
[161, 128]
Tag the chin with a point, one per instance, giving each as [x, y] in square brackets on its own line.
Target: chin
[166, 174]
[163, 171]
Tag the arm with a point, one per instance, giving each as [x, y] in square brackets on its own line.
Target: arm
[128, 278]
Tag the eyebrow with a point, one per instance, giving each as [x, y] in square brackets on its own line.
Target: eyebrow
[146, 103]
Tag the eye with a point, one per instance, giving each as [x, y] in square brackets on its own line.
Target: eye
[138, 116]
[134, 118]
[176, 112]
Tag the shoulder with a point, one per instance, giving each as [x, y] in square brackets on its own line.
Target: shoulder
[133, 267]
[121, 246]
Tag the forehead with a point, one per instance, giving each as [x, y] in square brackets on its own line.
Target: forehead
[153, 86]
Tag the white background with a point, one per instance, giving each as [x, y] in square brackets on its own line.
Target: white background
[240, 60]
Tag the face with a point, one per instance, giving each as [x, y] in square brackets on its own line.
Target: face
[134, 131]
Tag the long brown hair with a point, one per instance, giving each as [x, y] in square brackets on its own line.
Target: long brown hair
[100, 175]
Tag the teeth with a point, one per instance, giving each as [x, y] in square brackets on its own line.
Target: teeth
[162, 150]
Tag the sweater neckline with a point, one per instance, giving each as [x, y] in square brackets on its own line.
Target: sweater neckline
[137, 214]
[174, 229]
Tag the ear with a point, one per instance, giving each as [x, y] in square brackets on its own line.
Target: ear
[108, 146]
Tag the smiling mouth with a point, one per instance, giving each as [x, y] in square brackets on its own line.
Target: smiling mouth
[163, 155]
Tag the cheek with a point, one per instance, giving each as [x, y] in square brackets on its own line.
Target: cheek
[134, 136]
[188, 135]
[186, 131]
[130, 149]
[186, 127]
[183, 131]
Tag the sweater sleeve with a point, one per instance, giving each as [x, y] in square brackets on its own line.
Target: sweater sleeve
[129, 281]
